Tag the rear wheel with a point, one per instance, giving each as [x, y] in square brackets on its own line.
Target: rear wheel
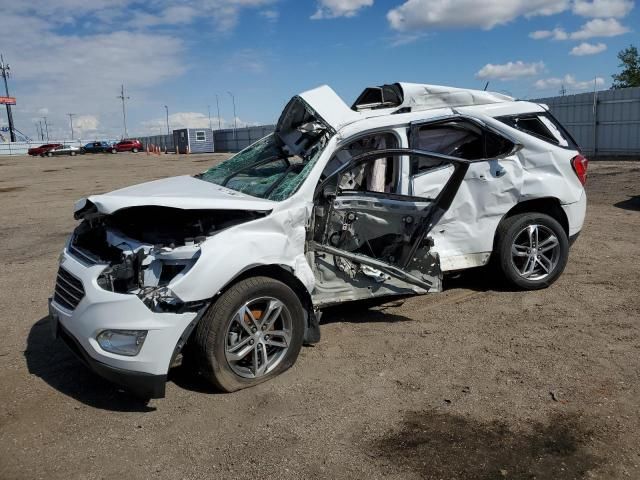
[252, 333]
[135, 150]
[49, 154]
[532, 250]
[113, 150]
[73, 154]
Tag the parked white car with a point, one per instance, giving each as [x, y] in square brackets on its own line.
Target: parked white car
[232, 267]
[71, 150]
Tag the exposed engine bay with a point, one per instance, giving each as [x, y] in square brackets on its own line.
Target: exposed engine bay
[146, 248]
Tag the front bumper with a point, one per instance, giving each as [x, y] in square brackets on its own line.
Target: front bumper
[143, 385]
[100, 310]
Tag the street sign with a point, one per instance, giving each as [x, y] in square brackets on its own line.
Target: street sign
[7, 100]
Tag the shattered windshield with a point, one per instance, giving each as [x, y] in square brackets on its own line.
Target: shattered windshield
[266, 169]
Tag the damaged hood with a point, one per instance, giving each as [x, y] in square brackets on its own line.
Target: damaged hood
[184, 192]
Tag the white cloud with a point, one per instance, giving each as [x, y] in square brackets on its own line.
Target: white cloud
[270, 14]
[555, 34]
[599, 27]
[602, 8]
[569, 82]
[85, 123]
[67, 56]
[247, 60]
[586, 48]
[173, 15]
[158, 126]
[510, 70]
[424, 14]
[339, 8]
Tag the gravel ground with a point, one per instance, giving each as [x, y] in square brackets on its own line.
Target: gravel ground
[473, 383]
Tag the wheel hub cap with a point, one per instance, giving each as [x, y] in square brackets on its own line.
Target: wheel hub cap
[258, 337]
[535, 252]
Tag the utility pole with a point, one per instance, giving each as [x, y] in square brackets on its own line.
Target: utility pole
[167, 109]
[563, 90]
[38, 134]
[41, 130]
[5, 74]
[209, 112]
[124, 111]
[218, 106]
[46, 126]
[71, 115]
[235, 121]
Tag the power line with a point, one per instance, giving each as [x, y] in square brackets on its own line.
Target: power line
[124, 111]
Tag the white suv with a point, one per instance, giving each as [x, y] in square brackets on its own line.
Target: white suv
[339, 204]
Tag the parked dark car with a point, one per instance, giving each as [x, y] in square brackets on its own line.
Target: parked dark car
[42, 149]
[99, 147]
[129, 145]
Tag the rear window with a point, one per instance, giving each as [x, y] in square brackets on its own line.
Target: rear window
[458, 138]
[543, 126]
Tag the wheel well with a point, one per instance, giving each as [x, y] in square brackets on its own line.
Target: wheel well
[280, 273]
[548, 205]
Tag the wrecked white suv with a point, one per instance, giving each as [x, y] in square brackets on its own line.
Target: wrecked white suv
[232, 267]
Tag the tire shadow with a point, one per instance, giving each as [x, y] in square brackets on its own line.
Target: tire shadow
[54, 363]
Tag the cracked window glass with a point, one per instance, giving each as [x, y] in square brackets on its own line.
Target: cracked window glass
[265, 169]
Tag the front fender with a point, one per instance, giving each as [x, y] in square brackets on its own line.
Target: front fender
[277, 239]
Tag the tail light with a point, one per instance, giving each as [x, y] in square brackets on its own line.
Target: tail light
[580, 165]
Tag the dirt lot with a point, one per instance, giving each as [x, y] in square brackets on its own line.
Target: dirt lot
[474, 383]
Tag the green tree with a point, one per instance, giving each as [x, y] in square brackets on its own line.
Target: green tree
[630, 64]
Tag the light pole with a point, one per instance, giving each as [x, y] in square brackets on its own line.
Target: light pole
[218, 107]
[235, 121]
[41, 130]
[5, 74]
[124, 111]
[209, 113]
[46, 126]
[167, 109]
[71, 115]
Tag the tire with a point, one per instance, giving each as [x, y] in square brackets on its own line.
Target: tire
[73, 154]
[113, 150]
[524, 262]
[135, 150]
[49, 154]
[222, 325]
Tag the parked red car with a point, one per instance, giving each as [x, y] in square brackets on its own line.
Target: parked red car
[42, 149]
[129, 146]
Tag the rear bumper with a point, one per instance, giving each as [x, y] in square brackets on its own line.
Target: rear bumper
[143, 385]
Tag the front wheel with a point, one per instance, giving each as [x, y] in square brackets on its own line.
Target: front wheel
[73, 154]
[135, 150]
[113, 150]
[532, 250]
[49, 154]
[252, 333]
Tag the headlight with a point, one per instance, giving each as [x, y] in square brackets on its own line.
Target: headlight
[122, 342]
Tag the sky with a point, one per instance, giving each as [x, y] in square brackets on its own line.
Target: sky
[72, 56]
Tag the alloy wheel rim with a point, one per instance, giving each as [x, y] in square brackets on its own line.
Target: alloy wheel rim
[535, 252]
[258, 337]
